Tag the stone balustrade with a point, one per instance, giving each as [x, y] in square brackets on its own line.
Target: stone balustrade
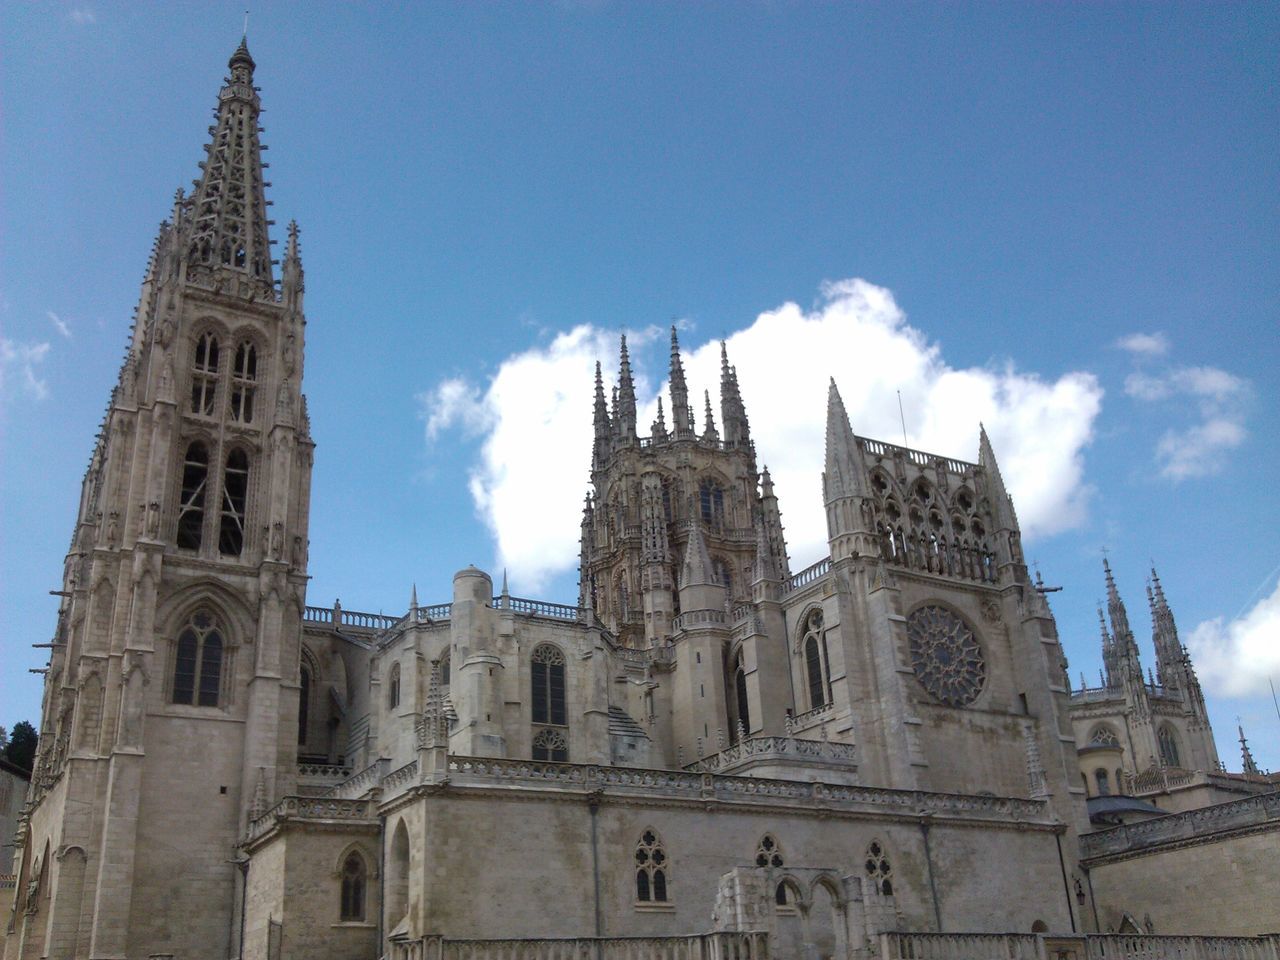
[310, 808]
[1021, 946]
[323, 772]
[820, 751]
[703, 787]
[1262, 810]
[707, 946]
[809, 575]
[878, 448]
[358, 784]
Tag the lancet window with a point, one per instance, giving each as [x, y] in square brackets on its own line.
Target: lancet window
[204, 375]
[195, 478]
[1103, 781]
[1168, 741]
[652, 869]
[816, 667]
[354, 884]
[393, 687]
[235, 492]
[244, 377]
[740, 694]
[711, 503]
[304, 703]
[548, 700]
[197, 662]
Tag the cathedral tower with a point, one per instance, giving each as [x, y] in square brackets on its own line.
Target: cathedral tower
[171, 697]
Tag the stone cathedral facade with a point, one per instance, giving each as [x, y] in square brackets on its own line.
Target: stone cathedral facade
[708, 754]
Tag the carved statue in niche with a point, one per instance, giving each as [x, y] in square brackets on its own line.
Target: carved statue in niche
[153, 520]
[290, 356]
[164, 333]
[277, 540]
[33, 886]
[165, 388]
[283, 405]
[113, 528]
[295, 556]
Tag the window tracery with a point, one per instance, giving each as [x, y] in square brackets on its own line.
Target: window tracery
[235, 493]
[204, 375]
[354, 883]
[548, 678]
[197, 662]
[195, 478]
[816, 666]
[946, 656]
[879, 870]
[1168, 741]
[651, 869]
[550, 745]
[393, 686]
[1103, 736]
[769, 852]
[244, 377]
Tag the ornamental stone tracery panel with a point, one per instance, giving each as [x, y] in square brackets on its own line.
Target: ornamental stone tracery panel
[945, 656]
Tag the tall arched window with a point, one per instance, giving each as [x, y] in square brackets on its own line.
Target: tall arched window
[740, 693]
[393, 687]
[204, 375]
[652, 869]
[195, 478]
[197, 662]
[304, 703]
[1168, 747]
[548, 700]
[816, 668]
[235, 493]
[722, 575]
[354, 882]
[1103, 781]
[244, 376]
[711, 503]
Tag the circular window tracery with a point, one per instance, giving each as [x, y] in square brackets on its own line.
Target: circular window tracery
[945, 656]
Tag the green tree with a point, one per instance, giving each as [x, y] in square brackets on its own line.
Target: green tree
[21, 748]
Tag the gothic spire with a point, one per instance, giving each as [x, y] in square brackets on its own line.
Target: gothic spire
[625, 410]
[228, 220]
[601, 408]
[841, 476]
[659, 429]
[291, 275]
[710, 432]
[1115, 609]
[1248, 765]
[733, 414]
[1001, 502]
[681, 417]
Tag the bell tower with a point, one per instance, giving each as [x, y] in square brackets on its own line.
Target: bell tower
[171, 697]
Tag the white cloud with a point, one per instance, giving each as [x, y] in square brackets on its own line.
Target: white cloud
[533, 468]
[1196, 451]
[1235, 659]
[82, 16]
[59, 324]
[452, 403]
[19, 360]
[1145, 344]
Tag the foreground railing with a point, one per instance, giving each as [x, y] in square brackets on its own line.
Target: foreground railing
[706, 946]
[1022, 946]
[1260, 810]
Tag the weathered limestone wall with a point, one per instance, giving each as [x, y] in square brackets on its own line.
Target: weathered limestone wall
[1221, 885]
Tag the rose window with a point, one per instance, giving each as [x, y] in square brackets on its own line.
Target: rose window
[945, 656]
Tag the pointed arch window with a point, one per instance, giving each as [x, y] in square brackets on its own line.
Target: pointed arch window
[304, 703]
[197, 662]
[652, 869]
[740, 694]
[1168, 741]
[244, 377]
[711, 503]
[195, 478]
[235, 493]
[548, 677]
[879, 870]
[1103, 781]
[393, 687]
[204, 375]
[355, 876]
[816, 668]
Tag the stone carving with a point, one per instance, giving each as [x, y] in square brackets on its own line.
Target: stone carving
[945, 656]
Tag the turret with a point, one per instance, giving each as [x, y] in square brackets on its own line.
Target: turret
[1008, 539]
[844, 485]
[477, 691]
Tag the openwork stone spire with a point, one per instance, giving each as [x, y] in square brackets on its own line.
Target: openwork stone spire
[681, 418]
[625, 408]
[228, 210]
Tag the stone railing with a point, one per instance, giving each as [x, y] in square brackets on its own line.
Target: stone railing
[959, 946]
[1021, 946]
[310, 808]
[695, 618]
[1133, 838]
[702, 787]
[1126, 947]
[878, 448]
[433, 612]
[707, 946]
[790, 748]
[809, 717]
[397, 779]
[1160, 780]
[809, 574]
[540, 608]
[338, 617]
[360, 783]
[322, 774]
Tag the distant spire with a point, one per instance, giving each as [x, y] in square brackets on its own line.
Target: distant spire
[291, 276]
[842, 475]
[681, 417]
[659, 429]
[1248, 765]
[1115, 608]
[413, 598]
[228, 219]
[625, 411]
[603, 426]
[733, 415]
[710, 432]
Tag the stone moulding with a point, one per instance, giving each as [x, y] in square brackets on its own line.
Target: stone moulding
[1257, 813]
[313, 810]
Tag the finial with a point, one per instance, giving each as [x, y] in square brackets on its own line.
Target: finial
[245, 35]
[413, 597]
[505, 591]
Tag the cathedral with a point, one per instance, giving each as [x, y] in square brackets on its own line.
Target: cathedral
[708, 756]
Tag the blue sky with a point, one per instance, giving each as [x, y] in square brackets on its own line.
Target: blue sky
[1063, 219]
